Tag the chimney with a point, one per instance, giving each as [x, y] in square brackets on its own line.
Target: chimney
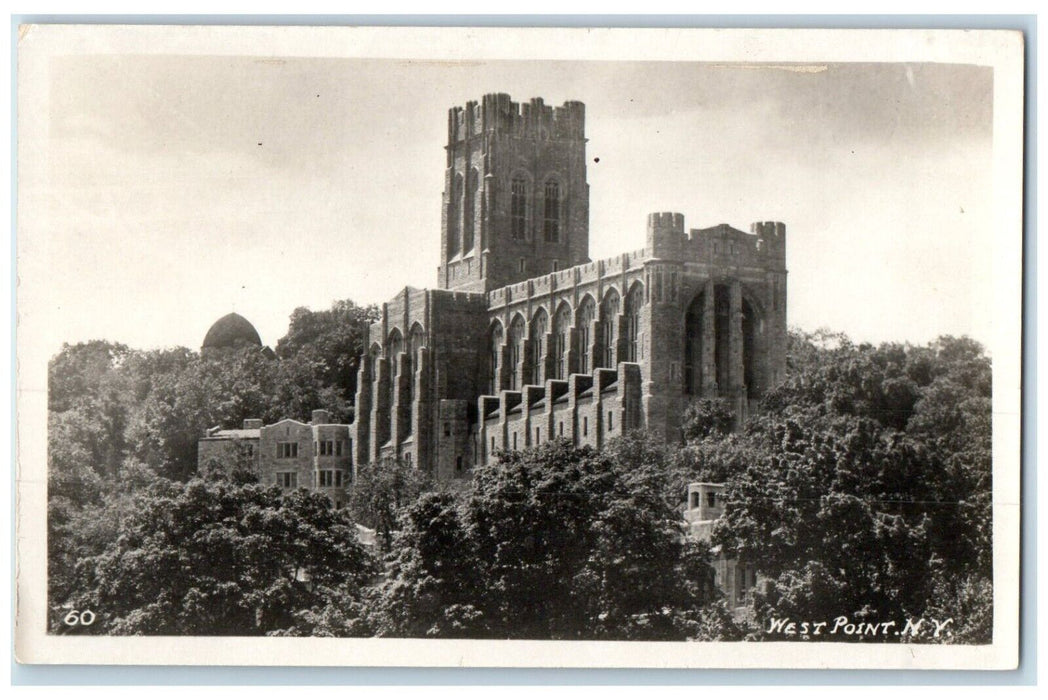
[321, 417]
[252, 424]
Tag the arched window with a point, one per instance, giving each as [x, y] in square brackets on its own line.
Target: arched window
[693, 348]
[518, 208]
[494, 352]
[455, 215]
[750, 371]
[559, 342]
[470, 209]
[539, 330]
[394, 347]
[584, 319]
[634, 300]
[609, 321]
[551, 212]
[516, 353]
[416, 340]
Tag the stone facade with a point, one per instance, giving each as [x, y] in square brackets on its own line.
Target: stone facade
[290, 454]
[526, 339]
[705, 506]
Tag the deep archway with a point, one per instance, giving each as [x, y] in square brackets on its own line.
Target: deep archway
[693, 323]
[751, 323]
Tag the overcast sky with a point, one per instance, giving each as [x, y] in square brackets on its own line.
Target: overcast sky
[180, 189]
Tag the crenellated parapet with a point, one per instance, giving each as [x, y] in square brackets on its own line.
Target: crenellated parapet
[497, 113]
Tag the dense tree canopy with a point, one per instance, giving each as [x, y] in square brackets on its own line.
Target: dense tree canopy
[380, 493]
[866, 490]
[550, 543]
[120, 419]
[220, 558]
[335, 338]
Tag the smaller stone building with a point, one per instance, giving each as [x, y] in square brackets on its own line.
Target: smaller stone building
[705, 506]
[290, 454]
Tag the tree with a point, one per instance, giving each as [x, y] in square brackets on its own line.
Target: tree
[334, 338]
[435, 586]
[550, 543]
[706, 418]
[380, 491]
[219, 558]
[83, 372]
[866, 489]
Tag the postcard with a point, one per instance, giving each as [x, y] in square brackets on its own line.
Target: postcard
[646, 348]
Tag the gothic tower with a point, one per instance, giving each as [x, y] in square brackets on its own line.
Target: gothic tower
[516, 200]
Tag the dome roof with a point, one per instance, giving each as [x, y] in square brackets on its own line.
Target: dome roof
[231, 330]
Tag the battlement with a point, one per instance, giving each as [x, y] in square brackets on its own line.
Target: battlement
[768, 229]
[665, 222]
[497, 113]
[577, 275]
[665, 234]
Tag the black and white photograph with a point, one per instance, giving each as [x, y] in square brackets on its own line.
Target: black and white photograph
[519, 347]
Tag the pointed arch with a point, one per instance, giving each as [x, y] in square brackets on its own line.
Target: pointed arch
[610, 308]
[754, 375]
[559, 342]
[515, 352]
[394, 346]
[585, 316]
[416, 340]
[471, 201]
[496, 339]
[539, 329]
[631, 322]
[454, 215]
[694, 322]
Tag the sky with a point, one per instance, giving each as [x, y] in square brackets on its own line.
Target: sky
[179, 189]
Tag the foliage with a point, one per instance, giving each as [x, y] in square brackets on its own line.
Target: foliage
[380, 491]
[861, 488]
[335, 338]
[705, 418]
[867, 486]
[218, 558]
[550, 543]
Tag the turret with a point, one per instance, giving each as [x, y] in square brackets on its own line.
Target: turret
[665, 234]
[771, 238]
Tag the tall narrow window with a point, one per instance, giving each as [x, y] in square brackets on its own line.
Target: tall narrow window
[518, 207]
[551, 218]
[515, 375]
[539, 330]
[634, 301]
[609, 321]
[469, 210]
[394, 349]
[587, 314]
[493, 360]
[455, 215]
[559, 342]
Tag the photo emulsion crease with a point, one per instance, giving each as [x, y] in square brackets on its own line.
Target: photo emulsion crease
[717, 354]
